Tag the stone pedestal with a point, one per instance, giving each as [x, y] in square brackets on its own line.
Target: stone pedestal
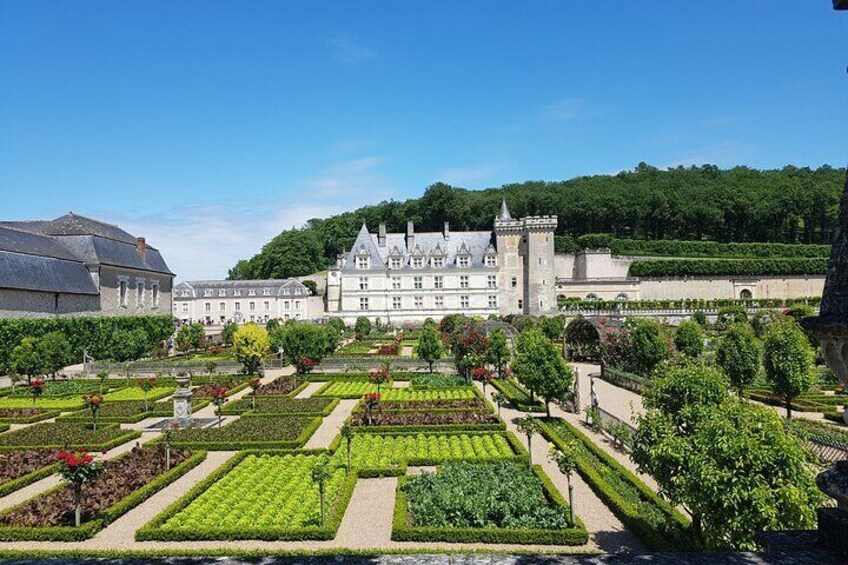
[182, 401]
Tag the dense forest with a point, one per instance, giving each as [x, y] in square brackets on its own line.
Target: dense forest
[790, 205]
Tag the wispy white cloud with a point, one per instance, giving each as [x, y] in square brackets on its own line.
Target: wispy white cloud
[350, 179]
[567, 109]
[351, 51]
[463, 176]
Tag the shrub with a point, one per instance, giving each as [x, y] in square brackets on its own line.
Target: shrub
[727, 267]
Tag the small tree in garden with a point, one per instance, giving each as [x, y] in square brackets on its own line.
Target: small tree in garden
[649, 346]
[228, 332]
[347, 435]
[469, 348]
[102, 376]
[219, 397]
[304, 345]
[55, 351]
[500, 400]
[320, 474]
[146, 385]
[788, 361]
[483, 375]
[430, 348]
[78, 469]
[210, 366]
[168, 435]
[254, 384]
[129, 345]
[92, 402]
[528, 426]
[739, 355]
[539, 366]
[36, 389]
[371, 401]
[498, 353]
[700, 318]
[689, 338]
[379, 377]
[362, 328]
[566, 461]
[27, 360]
[552, 326]
[251, 345]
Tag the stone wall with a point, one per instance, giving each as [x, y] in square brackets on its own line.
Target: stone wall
[32, 304]
[715, 287]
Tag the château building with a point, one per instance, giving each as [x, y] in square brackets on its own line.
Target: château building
[75, 265]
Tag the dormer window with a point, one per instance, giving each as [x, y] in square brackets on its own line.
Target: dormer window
[491, 260]
[463, 262]
[236, 293]
[417, 262]
[207, 293]
[266, 292]
[251, 292]
[395, 263]
[222, 293]
[438, 262]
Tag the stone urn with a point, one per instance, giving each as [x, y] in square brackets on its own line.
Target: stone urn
[182, 400]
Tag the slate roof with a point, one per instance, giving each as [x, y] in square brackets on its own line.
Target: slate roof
[475, 243]
[74, 224]
[279, 287]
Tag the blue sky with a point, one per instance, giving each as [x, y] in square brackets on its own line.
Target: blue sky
[211, 126]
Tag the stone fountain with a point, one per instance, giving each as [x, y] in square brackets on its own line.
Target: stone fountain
[831, 326]
[182, 409]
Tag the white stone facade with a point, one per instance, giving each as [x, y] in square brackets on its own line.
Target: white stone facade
[216, 302]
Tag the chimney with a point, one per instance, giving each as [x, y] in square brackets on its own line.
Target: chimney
[381, 235]
[447, 230]
[141, 246]
[410, 235]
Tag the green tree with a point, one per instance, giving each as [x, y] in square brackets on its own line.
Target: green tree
[55, 349]
[649, 346]
[228, 332]
[498, 353]
[552, 326]
[700, 317]
[250, 344]
[312, 286]
[528, 425]
[538, 365]
[430, 348]
[27, 359]
[689, 338]
[129, 345]
[362, 327]
[739, 355]
[304, 344]
[788, 362]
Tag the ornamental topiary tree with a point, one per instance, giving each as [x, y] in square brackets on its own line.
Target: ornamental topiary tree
[469, 346]
[102, 376]
[689, 339]
[739, 355]
[129, 345]
[498, 353]
[649, 346]
[78, 469]
[528, 426]
[371, 401]
[320, 474]
[36, 389]
[146, 385]
[304, 345]
[566, 461]
[347, 435]
[788, 361]
[228, 332]
[219, 397]
[254, 384]
[362, 328]
[168, 435]
[379, 377]
[27, 360]
[500, 400]
[55, 350]
[539, 366]
[251, 346]
[430, 348]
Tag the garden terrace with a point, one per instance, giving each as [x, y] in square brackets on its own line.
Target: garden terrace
[283, 405]
[137, 393]
[257, 496]
[434, 404]
[58, 389]
[125, 482]
[362, 376]
[251, 431]
[282, 386]
[232, 386]
[25, 415]
[517, 396]
[385, 454]
[660, 526]
[20, 468]
[357, 389]
[61, 403]
[128, 411]
[498, 502]
[427, 380]
[406, 418]
[67, 435]
[812, 401]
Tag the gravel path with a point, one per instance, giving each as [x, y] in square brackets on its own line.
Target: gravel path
[606, 532]
[330, 426]
[310, 389]
[368, 519]
[407, 351]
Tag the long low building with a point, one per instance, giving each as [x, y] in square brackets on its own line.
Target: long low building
[75, 265]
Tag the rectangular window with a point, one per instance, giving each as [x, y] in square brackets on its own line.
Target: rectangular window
[438, 281]
[208, 306]
[236, 293]
[492, 281]
[514, 282]
[185, 306]
[395, 283]
[396, 303]
[418, 283]
[156, 294]
[363, 283]
[491, 261]
[438, 262]
[297, 304]
[122, 291]
[286, 304]
[463, 281]
[207, 293]
[139, 294]
[266, 292]
[252, 306]
[395, 263]
[267, 305]
[417, 262]
[222, 306]
[362, 262]
[419, 302]
[363, 303]
[439, 301]
[464, 262]
[463, 301]
[237, 306]
[520, 304]
[251, 292]
[493, 301]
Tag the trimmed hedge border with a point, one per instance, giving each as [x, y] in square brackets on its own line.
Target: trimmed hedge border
[105, 446]
[16, 484]
[653, 540]
[403, 531]
[105, 517]
[748, 267]
[628, 381]
[153, 530]
[301, 439]
[429, 429]
[326, 411]
[46, 415]
[84, 416]
[519, 402]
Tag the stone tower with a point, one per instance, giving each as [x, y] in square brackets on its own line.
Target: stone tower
[508, 234]
[539, 271]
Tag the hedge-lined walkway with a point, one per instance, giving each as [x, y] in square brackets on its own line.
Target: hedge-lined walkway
[331, 425]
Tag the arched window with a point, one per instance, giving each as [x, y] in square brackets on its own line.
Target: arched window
[622, 297]
[591, 296]
[745, 294]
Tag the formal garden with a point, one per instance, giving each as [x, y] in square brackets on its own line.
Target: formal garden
[500, 452]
